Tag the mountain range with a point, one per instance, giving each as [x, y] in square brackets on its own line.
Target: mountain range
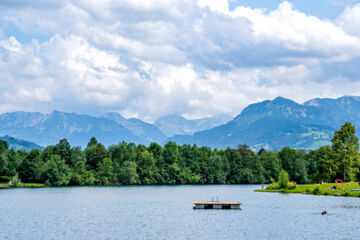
[48, 129]
[268, 124]
[281, 122]
[176, 125]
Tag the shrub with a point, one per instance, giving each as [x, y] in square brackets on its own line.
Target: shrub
[15, 180]
[273, 186]
[283, 179]
[307, 190]
[346, 194]
[316, 190]
[291, 185]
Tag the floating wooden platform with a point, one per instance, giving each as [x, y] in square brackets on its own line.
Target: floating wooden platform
[216, 205]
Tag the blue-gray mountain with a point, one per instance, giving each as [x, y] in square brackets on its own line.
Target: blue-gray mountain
[281, 122]
[18, 144]
[48, 129]
[144, 130]
[175, 124]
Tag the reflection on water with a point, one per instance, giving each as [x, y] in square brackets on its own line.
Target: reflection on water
[165, 212]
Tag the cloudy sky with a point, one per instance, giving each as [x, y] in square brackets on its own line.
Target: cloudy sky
[196, 58]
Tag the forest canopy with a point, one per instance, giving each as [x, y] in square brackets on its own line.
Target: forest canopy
[130, 164]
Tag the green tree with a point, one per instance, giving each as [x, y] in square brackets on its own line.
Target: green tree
[77, 155]
[105, 172]
[323, 165]
[63, 149]
[345, 145]
[218, 170]
[288, 157]
[271, 164]
[128, 174]
[4, 170]
[30, 168]
[146, 166]
[171, 153]
[283, 179]
[56, 172]
[3, 146]
[93, 141]
[13, 161]
[80, 176]
[299, 173]
[95, 153]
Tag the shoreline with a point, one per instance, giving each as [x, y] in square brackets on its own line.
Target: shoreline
[320, 189]
[22, 185]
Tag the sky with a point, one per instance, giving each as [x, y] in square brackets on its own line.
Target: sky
[195, 58]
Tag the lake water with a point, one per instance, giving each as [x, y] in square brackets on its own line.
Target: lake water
[165, 212]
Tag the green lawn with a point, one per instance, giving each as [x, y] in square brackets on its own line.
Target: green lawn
[23, 185]
[323, 189]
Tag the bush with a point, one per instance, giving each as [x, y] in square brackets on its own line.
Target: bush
[273, 186]
[283, 179]
[15, 180]
[291, 185]
[307, 190]
[316, 190]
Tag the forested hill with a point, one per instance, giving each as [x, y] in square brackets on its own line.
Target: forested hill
[281, 122]
[18, 144]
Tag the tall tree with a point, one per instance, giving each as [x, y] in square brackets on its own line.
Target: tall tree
[63, 149]
[345, 145]
[288, 157]
[95, 154]
[56, 172]
[128, 174]
[272, 165]
[30, 168]
[322, 164]
[105, 172]
[3, 146]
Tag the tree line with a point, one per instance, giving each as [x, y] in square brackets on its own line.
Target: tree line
[129, 164]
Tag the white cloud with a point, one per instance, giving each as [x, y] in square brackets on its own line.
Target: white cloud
[215, 5]
[349, 20]
[152, 58]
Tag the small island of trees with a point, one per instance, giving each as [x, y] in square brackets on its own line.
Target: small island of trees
[130, 164]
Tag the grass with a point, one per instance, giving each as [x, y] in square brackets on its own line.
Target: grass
[320, 189]
[23, 185]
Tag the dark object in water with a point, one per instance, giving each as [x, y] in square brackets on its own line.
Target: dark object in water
[324, 213]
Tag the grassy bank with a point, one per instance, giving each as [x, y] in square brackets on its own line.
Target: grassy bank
[22, 185]
[320, 189]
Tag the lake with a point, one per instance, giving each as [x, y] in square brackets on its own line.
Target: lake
[165, 212]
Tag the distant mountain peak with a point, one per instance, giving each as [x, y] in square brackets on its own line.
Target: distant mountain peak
[175, 124]
[115, 115]
[282, 100]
